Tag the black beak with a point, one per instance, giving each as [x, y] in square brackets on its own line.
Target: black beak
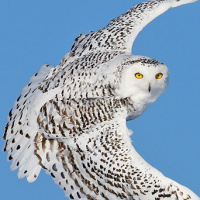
[149, 87]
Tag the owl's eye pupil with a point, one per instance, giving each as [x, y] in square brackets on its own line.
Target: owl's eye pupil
[159, 76]
[138, 75]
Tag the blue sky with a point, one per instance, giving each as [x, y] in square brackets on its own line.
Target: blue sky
[167, 135]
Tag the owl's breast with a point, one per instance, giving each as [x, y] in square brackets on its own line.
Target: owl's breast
[136, 106]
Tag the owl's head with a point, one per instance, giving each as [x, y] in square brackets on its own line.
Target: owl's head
[139, 78]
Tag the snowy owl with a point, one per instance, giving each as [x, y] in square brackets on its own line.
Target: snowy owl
[71, 120]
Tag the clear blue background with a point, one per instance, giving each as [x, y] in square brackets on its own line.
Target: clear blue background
[167, 135]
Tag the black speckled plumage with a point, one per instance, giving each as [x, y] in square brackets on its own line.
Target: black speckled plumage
[71, 120]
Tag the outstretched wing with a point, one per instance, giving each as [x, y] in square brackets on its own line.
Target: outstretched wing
[121, 32]
[19, 132]
[55, 104]
[102, 164]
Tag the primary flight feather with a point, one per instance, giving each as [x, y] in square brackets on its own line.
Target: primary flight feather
[71, 120]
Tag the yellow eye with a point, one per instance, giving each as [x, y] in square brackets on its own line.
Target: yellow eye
[159, 76]
[138, 75]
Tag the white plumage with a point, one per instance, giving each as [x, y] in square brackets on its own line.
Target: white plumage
[71, 120]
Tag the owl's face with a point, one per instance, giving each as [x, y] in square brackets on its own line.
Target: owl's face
[143, 80]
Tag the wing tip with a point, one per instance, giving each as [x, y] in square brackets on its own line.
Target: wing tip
[177, 3]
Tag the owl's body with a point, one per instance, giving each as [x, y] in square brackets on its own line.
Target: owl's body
[71, 120]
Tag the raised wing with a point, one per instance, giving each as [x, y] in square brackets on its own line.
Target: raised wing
[121, 32]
